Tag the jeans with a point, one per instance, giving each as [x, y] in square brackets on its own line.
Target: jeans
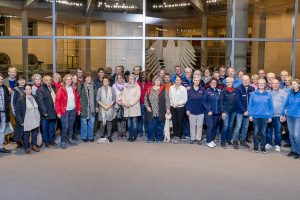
[241, 122]
[142, 121]
[260, 125]
[277, 127]
[213, 127]
[196, 125]
[132, 126]
[26, 137]
[87, 127]
[227, 127]
[294, 129]
[177, 120]
[156, 130]
[67, 123]
[186, 126]
[2, 128]
[48, 130]
[76, 126]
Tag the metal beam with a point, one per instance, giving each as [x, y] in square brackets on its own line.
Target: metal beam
[198, 5]
[29, 3]
[90, 7]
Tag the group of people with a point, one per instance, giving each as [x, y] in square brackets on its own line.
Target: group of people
[224, 104]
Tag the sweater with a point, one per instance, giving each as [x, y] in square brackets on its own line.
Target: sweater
[292, 105]
[261, 105]
[178, 97]
[279, 98]
[144, 87]
[196, 104]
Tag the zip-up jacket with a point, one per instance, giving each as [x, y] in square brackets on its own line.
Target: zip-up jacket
[196, 104]
[227, 101]
[242, 98]
[279, 98]
[213, 101]
[261, 105]
[292, 105]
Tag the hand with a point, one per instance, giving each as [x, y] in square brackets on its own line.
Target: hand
[188, 113]
[46, 115]
[282, 119]
[78, 113]
[188, 88]
[269, 120]
[59, 115]
[97, 110]
[246, 113]
[168, 111]
[209, 113]
[149, 109]
[251, 119]
[224, 116]
[10, 90]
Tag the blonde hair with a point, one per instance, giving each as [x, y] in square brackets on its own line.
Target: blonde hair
[254, 76]
[35, 76]
[155, 78]
[229, 78]
[67, 76]
[12, 69]
[57, 75]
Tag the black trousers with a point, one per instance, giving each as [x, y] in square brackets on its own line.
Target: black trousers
[26, 138]
[177, 120]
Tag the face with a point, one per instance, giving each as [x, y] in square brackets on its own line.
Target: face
[283, 75]
[79, 73]
[120, 79]
[222, 71]
[28, 90]
[261, 85]
[231, 72]
[131, 80]
[295, 86]
[88, 79]
[56, 79]
[37, 80]
[68, 80]
[105, 82]
[118, 70]
[246, 81]
[21, 82]
[287, 81]
[275, 85]
[144, 76]
[213, 84]
[217, 76]
[270, 78]
[1, 80]
[241, 74]
[162, 73]
[47, 81]
[261, 74]
[178, 81]
[188, 74]
[229, 83]
[74, 79]
[167, 79]
[254, 81]
[136, 70]
[197, 82]
[157, 82]
[207, 73]
[101, 74]
[178, 70]
[12, 73]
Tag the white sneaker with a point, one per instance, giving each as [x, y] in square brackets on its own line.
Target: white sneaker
[214, 144]
[277, 148]
[210, 145]
[268, 146]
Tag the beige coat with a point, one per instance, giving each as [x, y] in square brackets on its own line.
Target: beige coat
[132, 96]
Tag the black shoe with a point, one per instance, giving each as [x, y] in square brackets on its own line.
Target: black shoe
[235, 145]
[229, 142]
[255, 149]
[223, 145]
[244, 144]
[84, 140]
[290, 154]
[91, 140]
[263, 150]
[53, 144]
[296, 156]
[192, 141]
[110, 140]
[102, 136]
[129, 139]
[133, 139]
[19, 145]
[3, 150]
[199, 142]
[286, 145]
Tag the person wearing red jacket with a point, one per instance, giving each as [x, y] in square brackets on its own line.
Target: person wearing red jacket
[67, 105]
[144, 84]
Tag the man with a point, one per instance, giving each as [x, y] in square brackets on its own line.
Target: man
[270, 79]
[283, 75]
[178, 72]
[46, 101]
[98, 80]
[236, 81]
[216, 75]
[118, 70]
[167, 81]
[79, 73]
[279, 99]
[144, 85]
[11, 81]
[188, 81]
[242, 96]
[261, 74]
[4, 113]
[137, 71]
[222, 72]
[161, 74]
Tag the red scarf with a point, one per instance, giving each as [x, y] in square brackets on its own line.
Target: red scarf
[229, 89]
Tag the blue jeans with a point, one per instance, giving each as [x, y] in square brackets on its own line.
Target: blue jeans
[156, 130]
[67, 122]
[241, 122]
[213, 124]
[87, 127]
[294, 129]
[277, 127]
[132, 126]
[142, 121]
[227, 127]
[186, 126]
[260, 125]
[48, 130]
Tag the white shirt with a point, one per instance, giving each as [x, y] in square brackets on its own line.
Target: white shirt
[178, 97]
[71, 99]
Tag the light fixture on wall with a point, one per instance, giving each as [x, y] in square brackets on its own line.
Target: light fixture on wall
[117, 6]
[10, 16]
[171, 5]
[67, 3]
[213, 2]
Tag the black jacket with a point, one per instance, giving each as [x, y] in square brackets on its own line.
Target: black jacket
[227, 101]
[21, 109]
[45, 102]
[6, 104]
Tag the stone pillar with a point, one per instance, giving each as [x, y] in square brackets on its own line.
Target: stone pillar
[88, 44]
[25, 44]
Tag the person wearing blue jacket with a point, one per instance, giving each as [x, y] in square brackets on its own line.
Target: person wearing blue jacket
[261, 112]
[178, 72]
[228, 110]
[213, 112]
[195, 109]
[279, 98]
[242, 96]
[292, 111]
[236, 81]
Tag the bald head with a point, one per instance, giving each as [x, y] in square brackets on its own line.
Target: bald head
[275, 84]
[246, 80]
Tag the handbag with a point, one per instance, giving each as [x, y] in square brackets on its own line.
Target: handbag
[120, 113]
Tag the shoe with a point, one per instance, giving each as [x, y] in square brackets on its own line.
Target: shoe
[133, 139]
[110, 140]
[235, 145]
[129, 139]
[229, 143]
[47, 145]
[27, 151]
[268, 146]
[174, 141]
[19, 145]
[213, 143]
[84, 140]
[286, 145]
[255, 149]
[3, 150]
[199, 142]
[244, 144]
[192, 141]
[63, 145]
[291, 154]
[72, 143]
[35, 148]
[91, 140]
[149, 141]
[263, 150]
[53, 144]
[210, 145]
[277, 148]
[249, 141]
[296, 156]
[223, 145]
[183, 137]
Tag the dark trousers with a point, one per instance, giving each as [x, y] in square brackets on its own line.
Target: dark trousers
[260, 125]
[177, 120]
[67, 122]
[108, 126]
[155, 130]
[26, 137]
[213, 127]
[76, 127]
[132, 126]
[48, 130]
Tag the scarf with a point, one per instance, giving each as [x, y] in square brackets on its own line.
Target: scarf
[56, 84]
[131, 85]
[90, 97]
[120, 86]
[106, 99]
[229, 89]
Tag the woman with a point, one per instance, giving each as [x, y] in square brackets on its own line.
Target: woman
[56, 82]
[178, 99]
[106, 98]
[254, 81]
[67, 105]
[157, 104]
[227, 105]
[195, 109]
[88, 108]
[261, 112]
[37, 82]
[292, 110]
[28, 116]
[288, 84]
[118, 86]
[76, 128]
[287, 88]
[18, 92]
[132, 108]
[213, 113]
[206, 78]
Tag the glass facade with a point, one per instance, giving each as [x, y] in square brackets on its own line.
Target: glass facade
[58, 36]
